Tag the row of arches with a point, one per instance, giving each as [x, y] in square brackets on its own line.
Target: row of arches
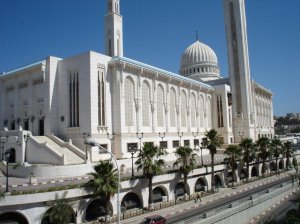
[172, 107]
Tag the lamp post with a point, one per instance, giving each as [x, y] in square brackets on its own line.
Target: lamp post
[111, 137]
[26, 137]
[132, 149]
[91, 142]
[86, 135]
[140, 135]
[3, 140]
[203, 143]
[180, 134]
[7, 155]
[162, 135]
[195, 134]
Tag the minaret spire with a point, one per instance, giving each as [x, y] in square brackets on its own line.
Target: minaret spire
[113, 29]
[197, 37]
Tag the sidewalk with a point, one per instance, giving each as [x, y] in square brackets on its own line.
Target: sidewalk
[223, 193]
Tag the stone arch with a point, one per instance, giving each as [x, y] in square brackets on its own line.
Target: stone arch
[95, 209]
[201, 184]
[46, 219]
[131, 201]
[179, 189]
[218, 181]
[12, 157]
[243, 174]
[159, 193]
[272, 166]
[254, 172]
[281, 164]
[13, 217]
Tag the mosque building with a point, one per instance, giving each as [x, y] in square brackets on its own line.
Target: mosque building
[121, 102]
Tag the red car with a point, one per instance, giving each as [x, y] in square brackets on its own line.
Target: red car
[155, 219]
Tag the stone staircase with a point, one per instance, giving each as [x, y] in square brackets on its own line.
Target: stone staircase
[70, 157]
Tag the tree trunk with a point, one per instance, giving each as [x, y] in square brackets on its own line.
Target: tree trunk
[185, 183]
[263, 167]
[276, 159]
[107, 215]
[232, 176]
[247, 172]
[150, 192]
[212, 173]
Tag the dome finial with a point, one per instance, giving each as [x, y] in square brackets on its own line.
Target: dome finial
[197, 38]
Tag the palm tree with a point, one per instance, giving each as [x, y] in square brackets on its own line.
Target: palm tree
[186, 160]
[262, 145]
[248, 153]
[276, 150]
[212, 142]
[60, 212]
[287, 151]
[148, 161]
[234, 152]
[104, 183]
[295, 164]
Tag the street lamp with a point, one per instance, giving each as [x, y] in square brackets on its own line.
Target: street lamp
[195, 134]
[132, 149]
[7, 155]
[180, 134]
[26, 137]
[3, 140]
[140, 136]
[91, 142]
[86, 135]
[162, 135]
[111, 137]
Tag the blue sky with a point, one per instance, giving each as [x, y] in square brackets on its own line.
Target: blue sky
[157, 32]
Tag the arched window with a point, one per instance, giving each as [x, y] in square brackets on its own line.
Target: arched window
[101, 97]
[129, 101]
[201, 111]
[193, 110]
[172, 108]
[160, 106]
[183, 109]
[146, 104]
[208, 113]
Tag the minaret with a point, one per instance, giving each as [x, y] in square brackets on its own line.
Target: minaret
[113, 29]
[239, 70]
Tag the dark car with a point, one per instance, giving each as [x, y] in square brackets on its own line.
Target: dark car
[155, 219]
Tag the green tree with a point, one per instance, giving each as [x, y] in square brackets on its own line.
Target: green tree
[60, 212]
[287, 152]
[276, 150]
[295, 164]
[213, 141]
[234, 152]
[149, 162]
[187, 162]
[262, 145]
[104, 183]
[247, 147]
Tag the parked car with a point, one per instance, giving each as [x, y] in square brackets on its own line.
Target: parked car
[155, 219]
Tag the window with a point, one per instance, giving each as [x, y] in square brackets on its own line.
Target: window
[163, 144]
[101, 97]
[132, 147]
[220, 111]
[175, 144]
[183, 109]
[186, 142]
[160, 106]
[104, 146]
[146, 104]
[196, 142]
[74, 99]
[172, 108]
[129, 100]
[201, 108]
[193, 111]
